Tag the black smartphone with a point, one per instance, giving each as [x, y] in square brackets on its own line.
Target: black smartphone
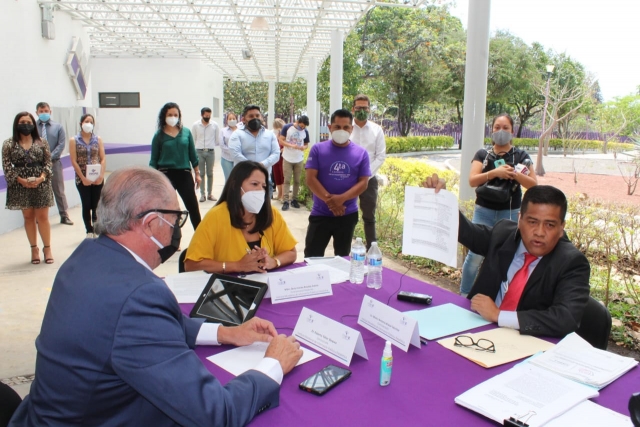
[324, 380]
[414, 297]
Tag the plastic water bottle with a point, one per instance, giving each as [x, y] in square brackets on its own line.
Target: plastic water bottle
[374, 260]
[358, 253]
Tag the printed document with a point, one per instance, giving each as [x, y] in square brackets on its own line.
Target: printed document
[431, 225]
[576, 359]
[525, 392]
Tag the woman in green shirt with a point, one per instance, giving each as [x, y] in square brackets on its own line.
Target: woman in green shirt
[173, 153]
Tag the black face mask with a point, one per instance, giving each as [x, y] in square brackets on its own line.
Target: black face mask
[254, 124]
[25, 128]
[168, 251]
[206, 119]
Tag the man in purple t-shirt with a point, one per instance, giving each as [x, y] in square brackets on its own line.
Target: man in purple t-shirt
[337, 173]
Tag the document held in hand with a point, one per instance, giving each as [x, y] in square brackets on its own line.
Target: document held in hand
[431, 225]
[93, 172]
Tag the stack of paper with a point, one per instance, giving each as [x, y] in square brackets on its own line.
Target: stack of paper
[576, 359]
[525, 392]
[589, 414]
[508, 343]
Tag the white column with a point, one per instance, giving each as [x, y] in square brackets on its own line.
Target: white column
[312, 94]
[271, 104]
[335, 80]
[475, 89]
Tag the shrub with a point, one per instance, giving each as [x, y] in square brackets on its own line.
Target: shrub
[531, 144]
[409, 144]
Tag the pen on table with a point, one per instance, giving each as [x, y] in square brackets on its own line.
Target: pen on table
[424, 342]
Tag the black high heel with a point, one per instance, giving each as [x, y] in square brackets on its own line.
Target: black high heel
[46, 260]
[34, 260]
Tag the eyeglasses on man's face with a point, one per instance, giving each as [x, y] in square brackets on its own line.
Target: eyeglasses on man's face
[181, 215]
[481, 345]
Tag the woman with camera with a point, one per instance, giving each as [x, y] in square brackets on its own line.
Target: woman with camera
[26, 161]
[498, 175]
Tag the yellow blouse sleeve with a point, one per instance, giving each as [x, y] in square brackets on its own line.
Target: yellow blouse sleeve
[281, 238]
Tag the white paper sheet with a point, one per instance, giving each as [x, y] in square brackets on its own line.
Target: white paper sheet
[430, 225]
[590, 414]
[522, 390]
[335, 262]
[187, 286]
[240, 359]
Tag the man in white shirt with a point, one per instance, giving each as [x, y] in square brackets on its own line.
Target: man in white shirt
[369, 136]
[295, 142]
[206, 135]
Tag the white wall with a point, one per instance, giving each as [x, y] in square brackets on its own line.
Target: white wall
[32, 71]
[33, 67]
[188, 82]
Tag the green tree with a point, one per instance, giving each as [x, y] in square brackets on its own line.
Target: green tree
[515, 75]
[402, 53]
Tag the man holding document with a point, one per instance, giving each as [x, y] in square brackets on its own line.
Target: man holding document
[115, 349]
[533, 278]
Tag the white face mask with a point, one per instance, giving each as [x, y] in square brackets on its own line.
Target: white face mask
[253, 200]
[172, 121]
[340, 136]
[232, 123]
[87, 127]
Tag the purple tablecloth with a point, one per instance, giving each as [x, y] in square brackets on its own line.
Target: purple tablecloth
[424, 382]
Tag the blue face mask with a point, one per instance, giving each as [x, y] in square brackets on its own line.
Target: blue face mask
[44, 117]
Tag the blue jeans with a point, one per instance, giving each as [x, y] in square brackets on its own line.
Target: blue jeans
[482, 216]
[227, 166]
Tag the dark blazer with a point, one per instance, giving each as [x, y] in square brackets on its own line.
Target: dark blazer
[555, 295]
[115, 350]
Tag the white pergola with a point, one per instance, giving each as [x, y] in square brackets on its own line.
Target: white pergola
[245, 40]
[268, 41]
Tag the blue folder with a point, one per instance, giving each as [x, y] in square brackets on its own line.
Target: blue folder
[446, 319]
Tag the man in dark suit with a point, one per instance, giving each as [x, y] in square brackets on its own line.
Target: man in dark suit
[533, 278]
[115, 349]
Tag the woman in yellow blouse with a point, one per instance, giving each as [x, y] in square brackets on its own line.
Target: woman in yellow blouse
[243, 232]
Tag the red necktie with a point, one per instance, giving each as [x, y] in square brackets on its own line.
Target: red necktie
[512, 297]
